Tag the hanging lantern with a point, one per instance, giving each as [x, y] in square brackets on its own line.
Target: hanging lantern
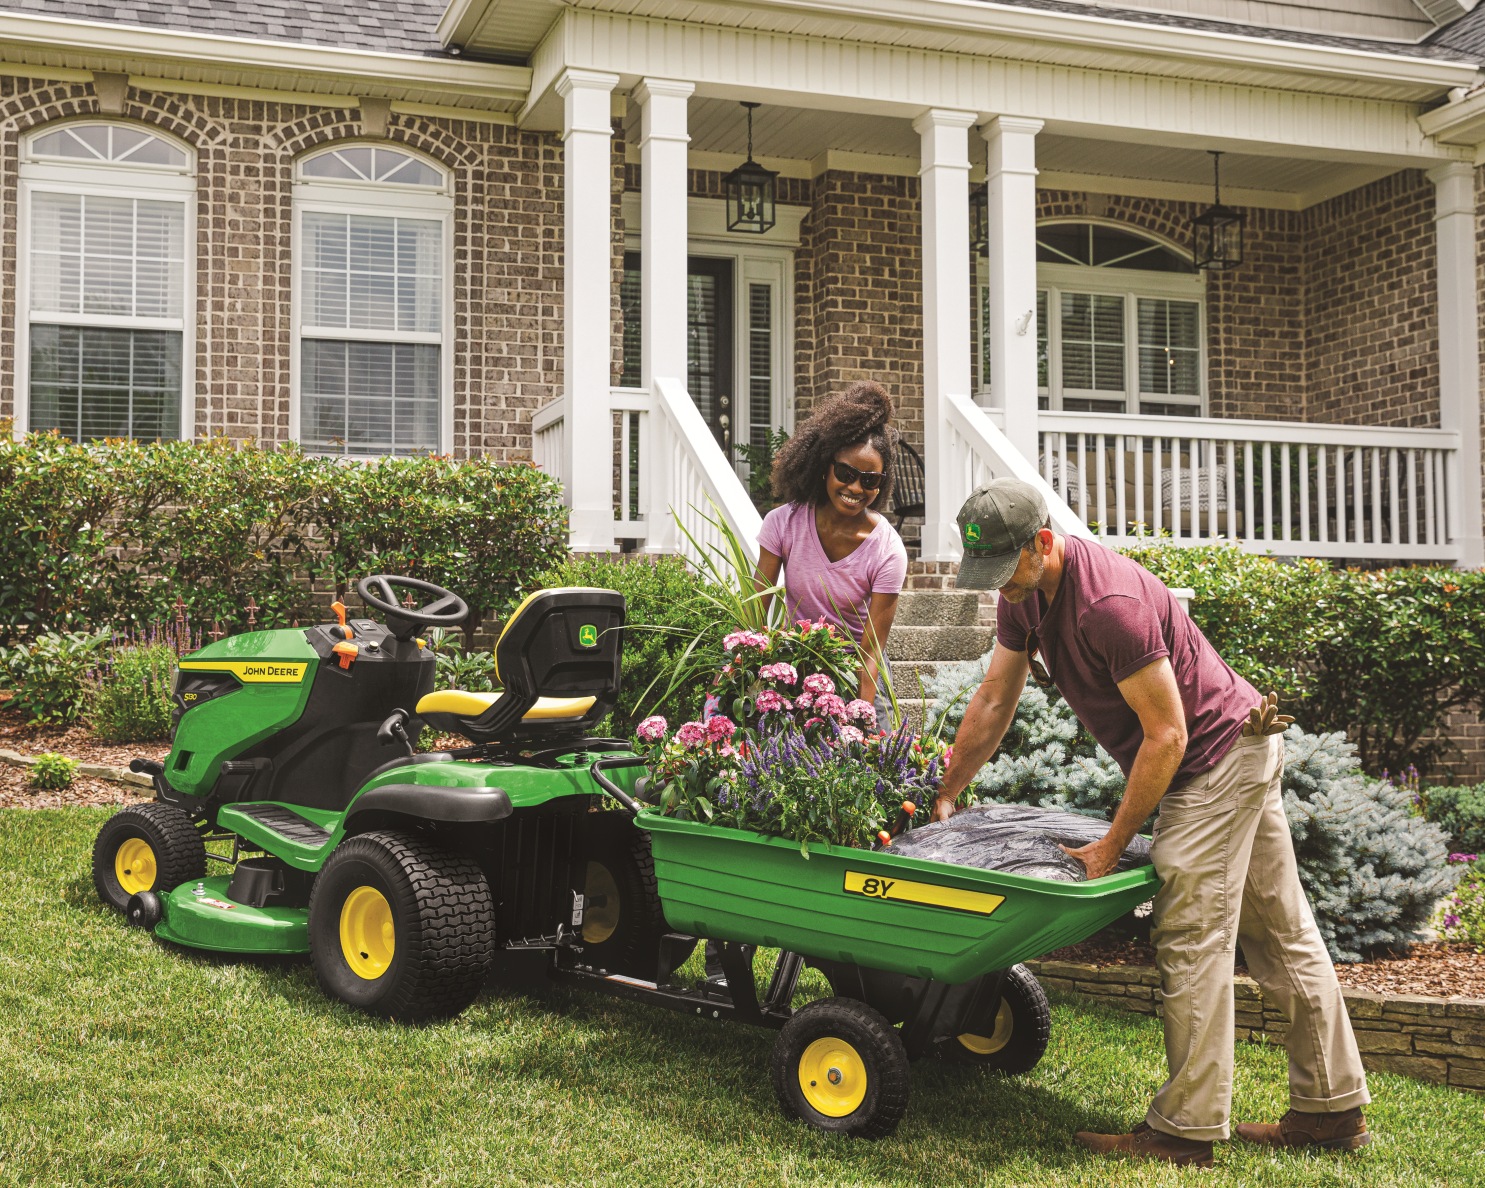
[1217, 235]
[979, 220]
[750, 191]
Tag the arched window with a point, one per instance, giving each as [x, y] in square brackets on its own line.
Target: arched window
[1119, 322]
[372, 234]
[106, 281]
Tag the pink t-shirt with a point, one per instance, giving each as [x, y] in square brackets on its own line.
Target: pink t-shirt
[812, 581]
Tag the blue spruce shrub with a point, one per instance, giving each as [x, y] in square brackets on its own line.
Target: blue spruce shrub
[1371, 868]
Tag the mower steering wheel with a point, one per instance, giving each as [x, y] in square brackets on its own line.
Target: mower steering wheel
[444, 609]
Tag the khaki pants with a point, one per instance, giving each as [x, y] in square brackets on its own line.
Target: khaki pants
[1226, 863]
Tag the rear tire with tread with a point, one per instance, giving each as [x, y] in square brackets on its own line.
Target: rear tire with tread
[1030, 1024]
[175, 848]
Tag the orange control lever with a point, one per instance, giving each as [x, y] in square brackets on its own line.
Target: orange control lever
[339, 609]
[904, 815]
[347, 652]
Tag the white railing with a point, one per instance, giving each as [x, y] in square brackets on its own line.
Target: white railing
[665, 458]
[1293, 488]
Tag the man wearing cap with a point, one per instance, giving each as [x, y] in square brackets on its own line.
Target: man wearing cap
[1197, 742]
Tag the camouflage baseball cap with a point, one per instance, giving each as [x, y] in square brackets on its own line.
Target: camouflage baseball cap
[995, 524]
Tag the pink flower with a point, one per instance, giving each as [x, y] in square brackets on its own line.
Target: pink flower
[861, 711]
[813, 722]
[691, 735]
[785, 674]
[745, 639]
[769, 702]
[849, 734]
[805, 700]
[719, 729]
[948, 755]
[819, 683]
[804, 624]
[830, 704]
[652, 729]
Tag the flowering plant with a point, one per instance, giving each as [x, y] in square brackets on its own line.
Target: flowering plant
[1461, 914]
[690, 770]
[784, 670]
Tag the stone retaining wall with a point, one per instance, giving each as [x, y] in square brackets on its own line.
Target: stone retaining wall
[1439, 1040]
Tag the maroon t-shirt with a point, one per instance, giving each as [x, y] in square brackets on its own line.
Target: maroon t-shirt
[1111, 618]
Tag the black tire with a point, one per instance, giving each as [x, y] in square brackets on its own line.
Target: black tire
[622, 920]
[840, 1036]
[159, 835]
[1015, 1038]
[425, 917]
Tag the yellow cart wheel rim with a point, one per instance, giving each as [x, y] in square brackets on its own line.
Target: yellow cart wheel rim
[599, 921]
[367, 936]
[832, 1077]
[134, 865]
[985, 1045]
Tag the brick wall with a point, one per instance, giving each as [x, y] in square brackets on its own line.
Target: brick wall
[507, 253]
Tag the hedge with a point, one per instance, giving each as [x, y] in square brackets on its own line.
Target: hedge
[113, 531]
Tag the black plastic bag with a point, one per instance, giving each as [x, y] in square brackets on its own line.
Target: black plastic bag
[1016, 838]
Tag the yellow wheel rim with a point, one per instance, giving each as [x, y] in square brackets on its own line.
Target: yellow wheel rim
[367, 937]
[601, 904]
[134, 866]
[832, 1077]
[984, 1045]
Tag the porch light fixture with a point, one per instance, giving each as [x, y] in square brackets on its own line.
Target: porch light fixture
[750, 191]
[979, 220]
[1217, 234]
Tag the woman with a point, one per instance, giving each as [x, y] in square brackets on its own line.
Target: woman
[843, 562]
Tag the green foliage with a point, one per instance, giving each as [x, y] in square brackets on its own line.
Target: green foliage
[1371, 867]
[1461, 916]
[129, 697]
[52, 772]
[665, 613]
[114, 531]
[47, 674]
[760, 467]
[456, 668]
[1459, 812]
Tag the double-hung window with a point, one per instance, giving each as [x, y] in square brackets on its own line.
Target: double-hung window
[373, 303]
[105, 287]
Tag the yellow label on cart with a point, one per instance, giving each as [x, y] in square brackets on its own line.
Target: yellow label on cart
[982, 903]
[268, 672]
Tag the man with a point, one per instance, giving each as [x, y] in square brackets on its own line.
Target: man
[1195, 740]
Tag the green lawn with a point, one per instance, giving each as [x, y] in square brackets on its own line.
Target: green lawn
[125, 1062]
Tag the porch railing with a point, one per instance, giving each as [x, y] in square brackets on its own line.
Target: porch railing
[1292, 488]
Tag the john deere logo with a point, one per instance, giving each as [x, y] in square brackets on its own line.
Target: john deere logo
[971, 534]
[588, 635]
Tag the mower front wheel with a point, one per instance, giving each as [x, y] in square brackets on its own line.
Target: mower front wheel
[401, 928]
[146, 847]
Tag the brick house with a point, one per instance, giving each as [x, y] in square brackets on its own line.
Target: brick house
[377, 228]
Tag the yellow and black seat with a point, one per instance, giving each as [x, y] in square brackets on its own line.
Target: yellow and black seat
[558, 660]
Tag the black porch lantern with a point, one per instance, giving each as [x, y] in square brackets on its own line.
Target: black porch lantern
[750, 191]
[1217, 235]
[979, 220]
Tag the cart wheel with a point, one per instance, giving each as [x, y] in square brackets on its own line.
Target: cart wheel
[1016, 1037]
[839, 1066]
[146, 847]
[622, 918]
[400, 928]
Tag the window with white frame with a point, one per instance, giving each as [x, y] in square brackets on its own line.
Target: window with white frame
[1119, 323]
[106, 282]
[373, 369]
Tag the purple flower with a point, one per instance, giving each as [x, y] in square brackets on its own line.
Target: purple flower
[1463, 857]
[819, 683]
[652, 729]
[785, 674]
[1451, 921]
[691, 735]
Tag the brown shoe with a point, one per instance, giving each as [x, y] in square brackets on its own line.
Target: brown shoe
[1343, 1131]
[1145, 1142]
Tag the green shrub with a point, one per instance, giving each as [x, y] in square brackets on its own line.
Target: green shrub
[130, 692]
[1461, 916]
[53, 772]
[664, 613]
[457, 669]
[1459, 812]
[48, 674]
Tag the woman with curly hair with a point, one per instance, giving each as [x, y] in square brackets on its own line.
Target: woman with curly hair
[842, 561]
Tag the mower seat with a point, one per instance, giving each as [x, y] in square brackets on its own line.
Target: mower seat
[558, 659]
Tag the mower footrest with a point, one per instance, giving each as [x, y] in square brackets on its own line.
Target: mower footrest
[286, 823]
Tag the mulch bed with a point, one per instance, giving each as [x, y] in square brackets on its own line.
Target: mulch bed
[76, 743]
[1440, 969]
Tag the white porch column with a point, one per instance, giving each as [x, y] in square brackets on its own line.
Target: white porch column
[1459, 351]
[1010, 184]
[945, 174]
[662, 228]
[587, 244]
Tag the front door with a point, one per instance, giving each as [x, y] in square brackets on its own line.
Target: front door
[709, 365]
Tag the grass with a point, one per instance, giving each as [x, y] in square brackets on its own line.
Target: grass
[124, 1061]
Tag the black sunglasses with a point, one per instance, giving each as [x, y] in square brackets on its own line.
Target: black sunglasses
[870, 479]
[1039, 671]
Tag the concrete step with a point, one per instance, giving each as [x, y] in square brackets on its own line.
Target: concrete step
[939, 643]
[938, 608]
[913, 713]
[906, 674]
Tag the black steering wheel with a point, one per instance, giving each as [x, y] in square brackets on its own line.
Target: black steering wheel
[444, 609]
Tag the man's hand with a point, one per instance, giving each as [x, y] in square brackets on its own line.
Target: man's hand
[1098, 857]
[943, 808]
[1265, 718]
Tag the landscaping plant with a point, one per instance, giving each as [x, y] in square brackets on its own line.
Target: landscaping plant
[455, 668]
[799, 670]
[129, 693]
[52, 772]
[47, 674]
[1461, 915]
[1460, 812]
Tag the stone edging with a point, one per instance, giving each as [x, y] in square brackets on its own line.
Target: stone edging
[1439, 1040]
[98, 771]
